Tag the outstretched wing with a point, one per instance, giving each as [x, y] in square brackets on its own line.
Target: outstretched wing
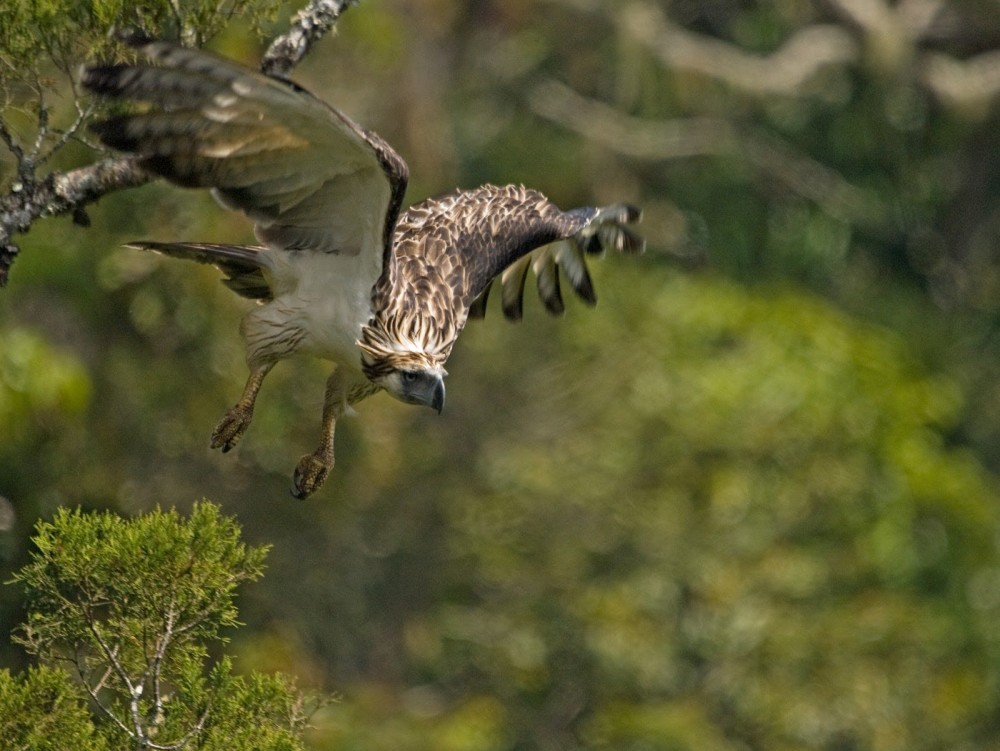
[308, 176]
[592, 231]
[475, 237]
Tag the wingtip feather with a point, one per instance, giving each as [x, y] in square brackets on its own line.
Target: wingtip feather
[478, 307]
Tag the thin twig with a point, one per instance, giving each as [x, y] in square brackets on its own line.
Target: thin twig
[104, 679]
[11, 142]
[154, 670]
[199, 726]
[41, 135]
[134, 690]
[93, 691]
[69, 134]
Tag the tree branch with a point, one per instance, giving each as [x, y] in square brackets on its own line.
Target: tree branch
[31, 198]
[59, 193]
[153, 672]
[971, 85]
[785, 71]
[652, 140]
[134, 689]
[12, 145]
[308, 26]
[94, 691]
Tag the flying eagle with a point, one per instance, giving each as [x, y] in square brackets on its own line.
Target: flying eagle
[340, 272]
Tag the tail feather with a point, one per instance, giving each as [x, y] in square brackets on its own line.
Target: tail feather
[243, 265]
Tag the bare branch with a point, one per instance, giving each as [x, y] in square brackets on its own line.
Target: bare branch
[972, 85]
[154, 671]
[785, 71]
[42, 134]
[67, 135]
[99, 686]
[59, 193]
[12, 144]
[94, 691]
[134, 690]
[198, 727]
[704, 136]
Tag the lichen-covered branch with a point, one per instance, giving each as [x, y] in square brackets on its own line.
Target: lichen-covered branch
[32, 196]
[308, 26]
[58, 193]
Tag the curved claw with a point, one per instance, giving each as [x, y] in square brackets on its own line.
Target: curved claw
[311, 473]
[231, 428]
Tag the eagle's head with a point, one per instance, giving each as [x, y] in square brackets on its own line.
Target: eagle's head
[410, 368]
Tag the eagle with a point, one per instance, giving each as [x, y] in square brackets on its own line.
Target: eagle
[341, 272]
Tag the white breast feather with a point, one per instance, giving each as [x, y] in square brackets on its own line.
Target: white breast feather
[328, 295]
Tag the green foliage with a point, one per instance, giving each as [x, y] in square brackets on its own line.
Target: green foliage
[37, 382]
[254, 712]
[43, 711]
[87, 575]
[64, 32]
[134, 606]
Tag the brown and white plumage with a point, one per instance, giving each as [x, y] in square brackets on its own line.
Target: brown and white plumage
[340, 273]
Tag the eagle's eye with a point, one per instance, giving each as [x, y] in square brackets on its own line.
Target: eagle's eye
[409, 376]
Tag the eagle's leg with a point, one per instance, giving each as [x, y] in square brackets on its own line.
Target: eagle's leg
[235, 422]
[313, 468]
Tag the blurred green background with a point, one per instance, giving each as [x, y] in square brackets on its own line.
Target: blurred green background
[749, 502]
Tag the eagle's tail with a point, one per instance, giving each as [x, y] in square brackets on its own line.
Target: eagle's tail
[243, 265]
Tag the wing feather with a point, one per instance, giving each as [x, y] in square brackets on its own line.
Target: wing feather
[512, 288]
[569, 257]
[478, 307]
[499, 233]
[305, 174]
[544, 266]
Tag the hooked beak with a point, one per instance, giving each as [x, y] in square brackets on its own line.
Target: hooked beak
[427, 390]
[437, 401]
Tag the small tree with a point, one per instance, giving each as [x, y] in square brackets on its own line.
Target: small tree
[124, 612]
